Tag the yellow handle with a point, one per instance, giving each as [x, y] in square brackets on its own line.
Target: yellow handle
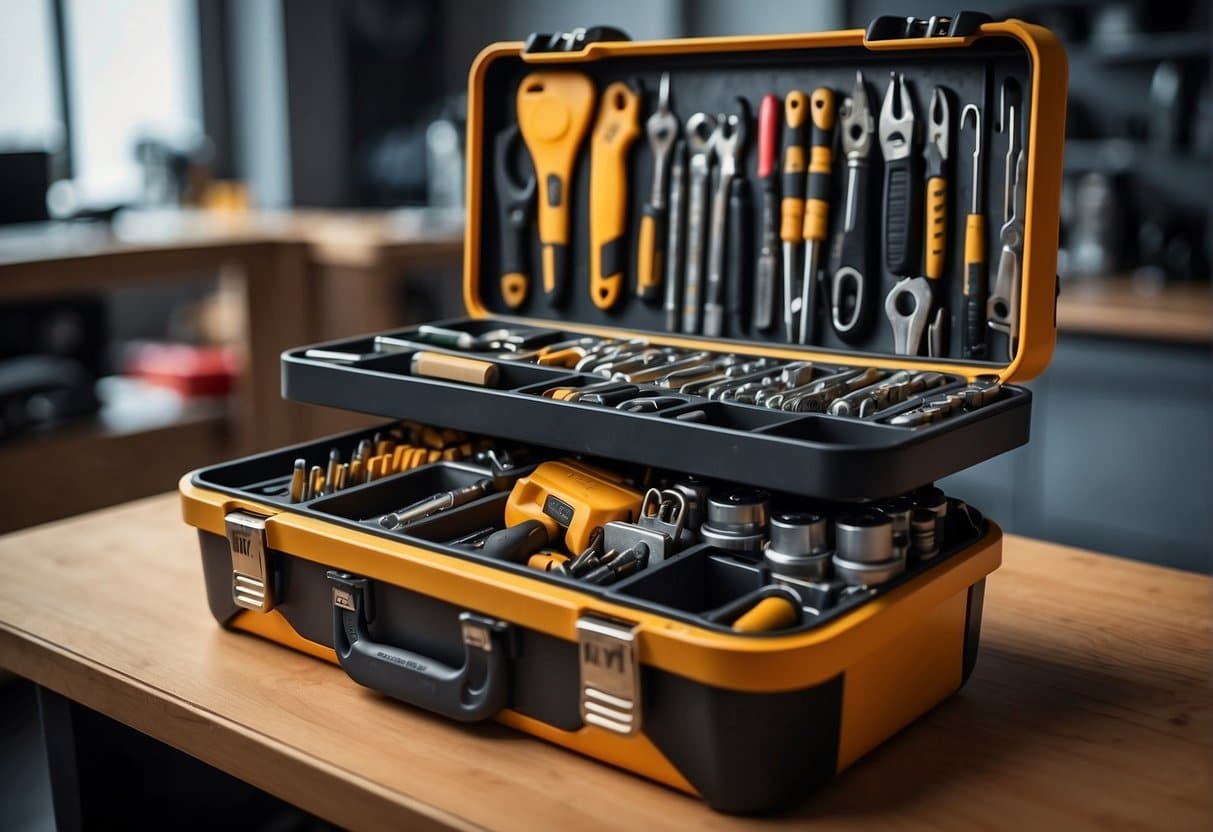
[821, 161]
[649, 264]
[513, 289]
[617, 127]
[791, 207]
[936, 226]
[975, 241]
[771, 613]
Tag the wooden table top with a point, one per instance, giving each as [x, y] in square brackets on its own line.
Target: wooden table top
[1089, 707]
[349, 238]
[1121, 307]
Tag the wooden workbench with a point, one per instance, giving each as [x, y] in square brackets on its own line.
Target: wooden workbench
[1120, 307]
[1089, 707]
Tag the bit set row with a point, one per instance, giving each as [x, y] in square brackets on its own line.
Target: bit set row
[401, 448]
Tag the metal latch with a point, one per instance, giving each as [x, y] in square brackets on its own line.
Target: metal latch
[960, 25]
[251, 586]
[573, 40]
[610, 674]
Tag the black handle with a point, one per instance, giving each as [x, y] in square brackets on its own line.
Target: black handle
[737, 256]
[766, 268]
[902, 213]
[475, 691]
[975, 311]
[513, 249]
[555, 267]
[852, 253]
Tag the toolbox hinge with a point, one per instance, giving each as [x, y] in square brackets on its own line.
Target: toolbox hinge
[573, 40]
[251, 579]
[610, 674]
[963, 24]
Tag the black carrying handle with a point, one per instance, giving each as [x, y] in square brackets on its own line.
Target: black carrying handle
[473, 692]
[902, 210]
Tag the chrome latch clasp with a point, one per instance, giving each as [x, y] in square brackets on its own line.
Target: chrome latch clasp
[610, 674]
[251, 579]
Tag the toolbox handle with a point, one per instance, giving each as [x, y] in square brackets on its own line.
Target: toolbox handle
[475, 691]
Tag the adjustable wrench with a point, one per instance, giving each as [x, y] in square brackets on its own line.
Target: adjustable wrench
[850, 295]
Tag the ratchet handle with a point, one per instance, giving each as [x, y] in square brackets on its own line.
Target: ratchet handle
[650, 260]
[737, 255]
[902, 207]
[974, 287]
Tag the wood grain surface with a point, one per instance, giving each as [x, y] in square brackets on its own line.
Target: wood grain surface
[1089, 707]
[1119, 307]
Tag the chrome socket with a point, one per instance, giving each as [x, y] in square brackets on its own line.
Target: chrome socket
[798, 546]
[864, 536]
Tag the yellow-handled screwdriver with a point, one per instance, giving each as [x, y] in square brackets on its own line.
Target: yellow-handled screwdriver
[974, 280]
[817, 205]
[791, 206]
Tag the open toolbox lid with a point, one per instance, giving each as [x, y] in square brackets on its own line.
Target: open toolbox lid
[968, 56]
[1013, 72]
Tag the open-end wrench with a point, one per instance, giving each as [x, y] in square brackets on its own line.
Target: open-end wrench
[700, 135]
[850, 292]
[662, 130]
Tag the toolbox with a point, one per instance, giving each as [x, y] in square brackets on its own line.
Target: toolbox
[665, 496]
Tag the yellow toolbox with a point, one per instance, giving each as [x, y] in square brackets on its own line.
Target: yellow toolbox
[665, 497]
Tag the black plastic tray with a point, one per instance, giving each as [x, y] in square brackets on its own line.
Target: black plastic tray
[687, 586]
[813, 454]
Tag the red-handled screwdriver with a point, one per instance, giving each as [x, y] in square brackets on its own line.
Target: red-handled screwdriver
[766, 270]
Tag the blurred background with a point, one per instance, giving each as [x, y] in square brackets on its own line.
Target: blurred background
[156, 155]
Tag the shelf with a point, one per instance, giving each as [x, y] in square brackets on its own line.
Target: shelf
[1123, 308]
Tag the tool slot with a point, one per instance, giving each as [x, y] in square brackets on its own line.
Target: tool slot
[837, 432]
[698, 580]
[510, 375]
[458, 522]
[730, 416]
[367, 503]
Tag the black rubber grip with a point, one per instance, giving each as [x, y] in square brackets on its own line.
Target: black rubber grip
[819, 186]
[975, 312]
[560, 266]
[902, 215]
[475, 691]
[852, 251]
[613, 255]
[513, 243]
[738, 256]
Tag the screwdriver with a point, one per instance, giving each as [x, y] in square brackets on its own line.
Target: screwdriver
[817, 205]
[974, 284]
[791, 207]
[441, 501]
[767, 266]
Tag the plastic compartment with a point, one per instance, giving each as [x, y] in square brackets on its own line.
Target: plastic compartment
[698, 580]
[375, 499]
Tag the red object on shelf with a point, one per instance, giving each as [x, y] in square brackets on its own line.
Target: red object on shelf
[189, 370]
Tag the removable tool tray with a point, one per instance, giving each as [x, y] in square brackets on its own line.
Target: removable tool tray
[811, 454]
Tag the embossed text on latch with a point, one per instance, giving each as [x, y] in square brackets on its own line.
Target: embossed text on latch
[610, 674]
